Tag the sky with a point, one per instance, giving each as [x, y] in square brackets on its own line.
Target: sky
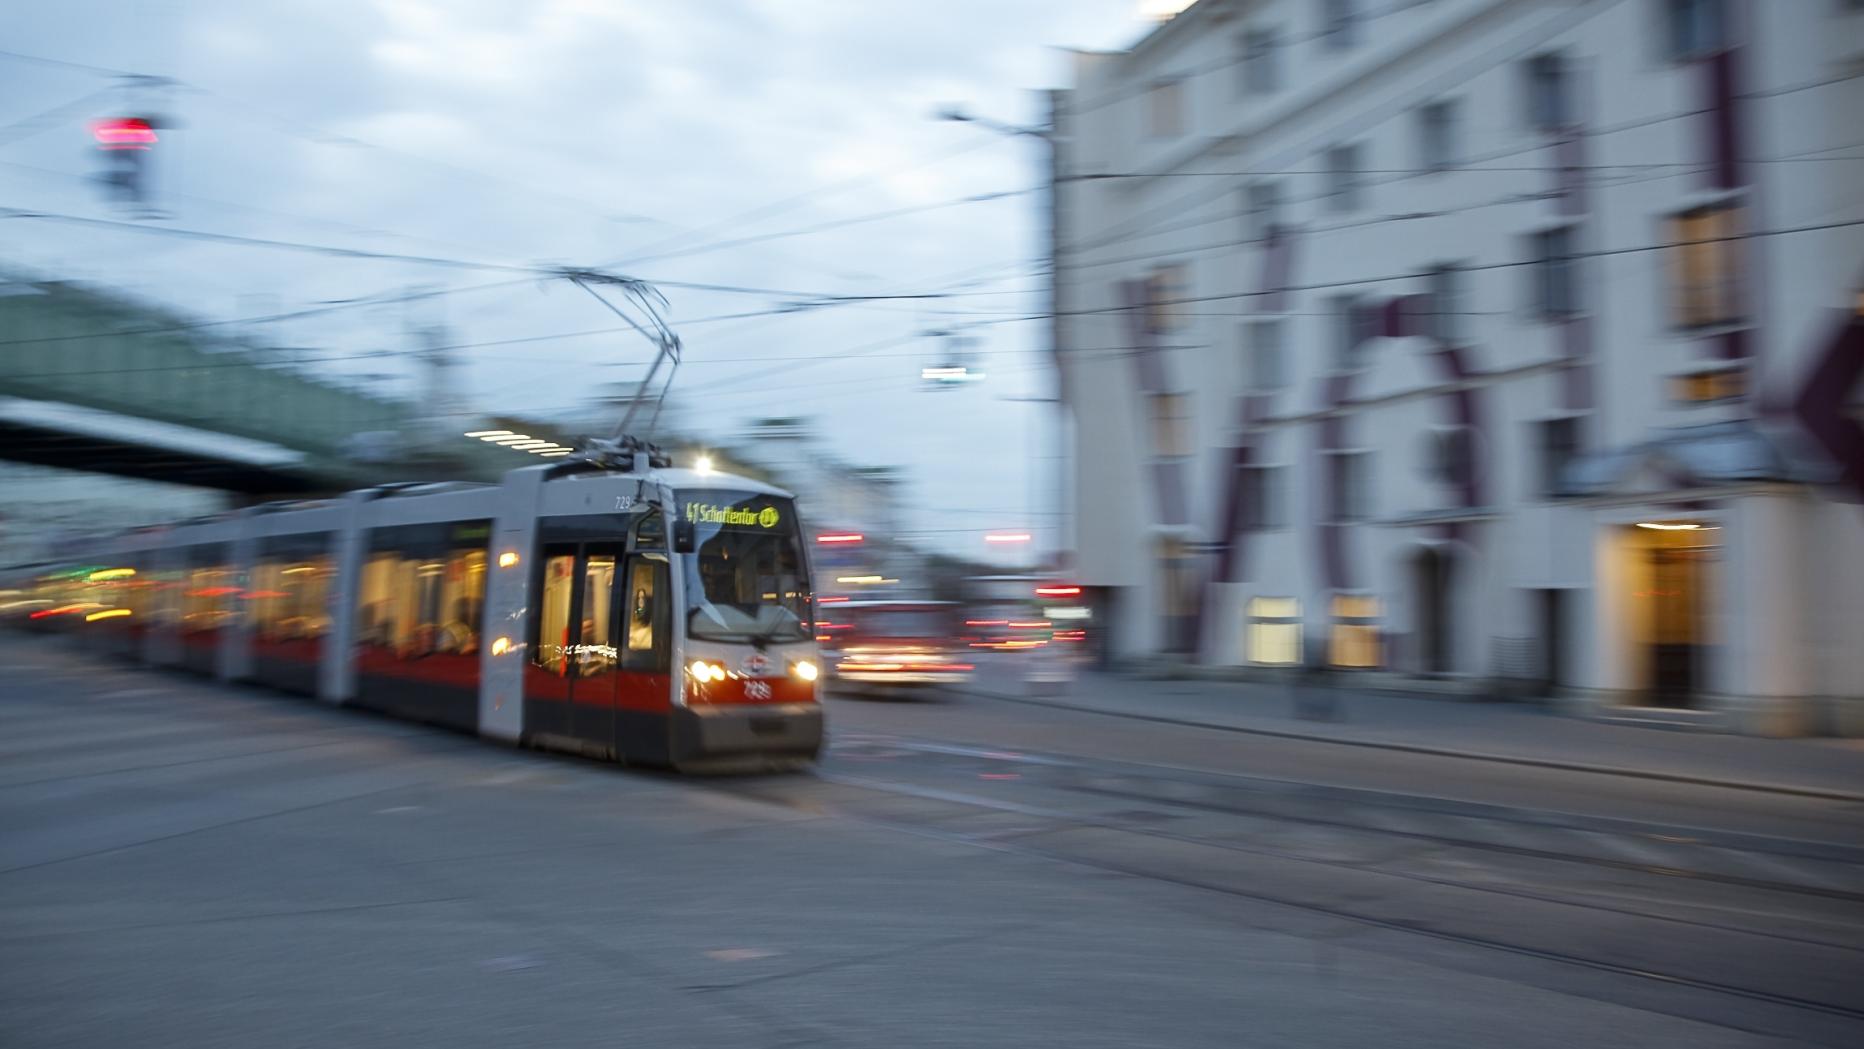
[784, 147]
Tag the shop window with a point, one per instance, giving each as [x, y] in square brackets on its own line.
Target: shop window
[1355, 638]
[422, 595]
[1274, 631]
[1705, 266]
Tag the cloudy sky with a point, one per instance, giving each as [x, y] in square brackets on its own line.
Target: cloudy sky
[756, 144]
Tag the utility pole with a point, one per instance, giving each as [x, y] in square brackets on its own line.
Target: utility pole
[1049, 135]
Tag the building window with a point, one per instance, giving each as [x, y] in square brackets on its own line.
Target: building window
[1555, 274]
[1444, 303]
[1171, 425]
[1694, 28]
[1340, 28]
[1265, 361]
[1436, 136]
[1260, 75]
[1344, 191]
[1262, 209]
[1165, 109]
[1705, 266]
[1274, 631]
[1547, 104]
[1351, 480]
[1355, 638]
[1354, 325]
[1558, 447]
[1263, 504]
[1167, 291]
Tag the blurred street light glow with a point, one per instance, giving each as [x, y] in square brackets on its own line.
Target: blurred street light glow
[1007, 537]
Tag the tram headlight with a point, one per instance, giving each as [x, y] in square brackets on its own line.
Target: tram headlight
[804, 669]
[703, 671]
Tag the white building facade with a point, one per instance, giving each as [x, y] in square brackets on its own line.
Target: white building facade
[1477, 340]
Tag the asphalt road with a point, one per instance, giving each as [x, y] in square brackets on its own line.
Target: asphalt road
[184, 863]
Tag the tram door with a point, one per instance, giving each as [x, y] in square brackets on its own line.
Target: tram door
[569, 683]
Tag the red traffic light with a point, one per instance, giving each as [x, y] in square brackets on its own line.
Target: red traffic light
[123, 133]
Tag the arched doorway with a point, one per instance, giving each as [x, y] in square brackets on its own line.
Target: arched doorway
[1431, 571]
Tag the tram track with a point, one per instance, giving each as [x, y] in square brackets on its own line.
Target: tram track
[1687, 966]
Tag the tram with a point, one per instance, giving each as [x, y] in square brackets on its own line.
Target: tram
[610, 605]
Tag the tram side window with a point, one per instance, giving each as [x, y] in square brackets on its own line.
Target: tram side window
[287, 599]
[423, 591]
[595, 653]
[551, 651]
[207, 591]
[647, 640]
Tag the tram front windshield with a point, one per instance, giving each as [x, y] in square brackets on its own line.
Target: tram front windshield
[745, 580]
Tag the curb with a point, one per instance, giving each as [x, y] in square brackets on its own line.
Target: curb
[1443, 752]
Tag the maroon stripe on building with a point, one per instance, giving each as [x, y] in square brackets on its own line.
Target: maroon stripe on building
[1149, 371]
[1822, 406]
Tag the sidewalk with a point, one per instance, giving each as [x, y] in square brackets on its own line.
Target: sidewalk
[1510, 732]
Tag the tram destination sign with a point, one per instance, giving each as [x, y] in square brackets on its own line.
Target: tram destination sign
[758, 517]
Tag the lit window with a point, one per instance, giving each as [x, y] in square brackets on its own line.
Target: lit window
[1165, 109]
[1355, 637]
[1705, 265]
[1274, 637]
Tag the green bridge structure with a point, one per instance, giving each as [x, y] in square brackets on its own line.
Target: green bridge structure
[95, 380]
